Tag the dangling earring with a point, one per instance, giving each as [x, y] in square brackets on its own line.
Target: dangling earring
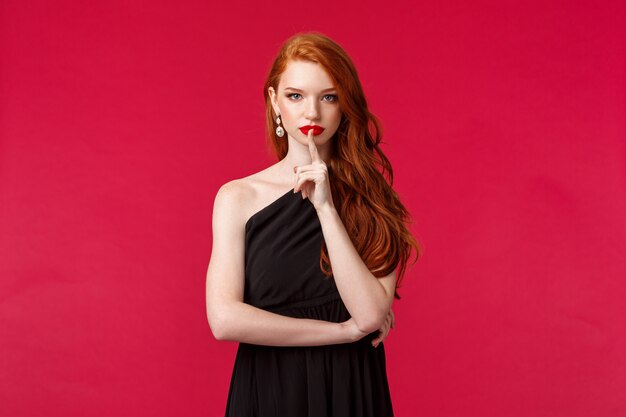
[280, 132]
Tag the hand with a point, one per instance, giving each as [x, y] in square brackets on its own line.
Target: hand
[389, 324]
[312, 179]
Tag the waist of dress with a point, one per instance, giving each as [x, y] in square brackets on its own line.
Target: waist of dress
[309, 302]
[328, 307]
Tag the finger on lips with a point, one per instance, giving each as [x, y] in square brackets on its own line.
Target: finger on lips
[314, 157]
[312, 147]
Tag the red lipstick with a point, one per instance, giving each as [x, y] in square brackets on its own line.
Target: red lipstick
[316, 129]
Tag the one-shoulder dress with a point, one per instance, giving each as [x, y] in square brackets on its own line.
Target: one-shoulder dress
[283, 276]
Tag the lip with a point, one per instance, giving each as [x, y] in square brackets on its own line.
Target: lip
[316, 129]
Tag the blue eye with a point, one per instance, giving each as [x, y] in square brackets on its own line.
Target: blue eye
[333, 96]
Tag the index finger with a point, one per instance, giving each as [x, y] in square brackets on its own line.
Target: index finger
[315, 157]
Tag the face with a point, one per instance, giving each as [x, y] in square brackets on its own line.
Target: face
[305, 97]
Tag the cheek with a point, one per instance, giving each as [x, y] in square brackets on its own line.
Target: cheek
[334, 116]
[288, 113]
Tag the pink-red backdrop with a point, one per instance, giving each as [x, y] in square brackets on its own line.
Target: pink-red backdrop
[504, 122]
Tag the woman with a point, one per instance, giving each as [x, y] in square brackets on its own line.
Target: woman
[302, 270]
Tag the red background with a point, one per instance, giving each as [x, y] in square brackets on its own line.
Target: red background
[504, 122]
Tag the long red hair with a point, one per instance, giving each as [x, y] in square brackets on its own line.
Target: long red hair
[368, 206]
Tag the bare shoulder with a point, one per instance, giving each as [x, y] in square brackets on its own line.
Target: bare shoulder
[240, 198]
[230, 198]
[230, 195]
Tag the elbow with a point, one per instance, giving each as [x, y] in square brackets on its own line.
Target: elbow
[218, 327]
[224, 320]
[370, 324]
[368, 328]
[218, 332]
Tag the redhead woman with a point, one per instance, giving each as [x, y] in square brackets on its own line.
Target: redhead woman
[305, 252]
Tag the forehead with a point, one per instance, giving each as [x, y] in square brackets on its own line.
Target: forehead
[305, 75]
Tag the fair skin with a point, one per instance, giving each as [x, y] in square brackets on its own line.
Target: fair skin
[368, 299]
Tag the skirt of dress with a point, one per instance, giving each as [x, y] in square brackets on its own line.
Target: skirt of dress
[339, 380]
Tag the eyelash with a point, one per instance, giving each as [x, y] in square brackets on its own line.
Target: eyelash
[335, 98]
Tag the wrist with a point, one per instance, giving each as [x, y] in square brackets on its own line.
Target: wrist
[326, 210]
[348, 332]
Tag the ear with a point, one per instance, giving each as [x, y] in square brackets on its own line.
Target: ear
[272, 94]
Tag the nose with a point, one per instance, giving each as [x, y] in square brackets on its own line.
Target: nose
[312, 112]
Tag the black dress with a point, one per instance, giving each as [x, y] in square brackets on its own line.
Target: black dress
[282, 275]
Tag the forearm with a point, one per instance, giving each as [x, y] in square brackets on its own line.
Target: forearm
[245, 323]
[363, 295]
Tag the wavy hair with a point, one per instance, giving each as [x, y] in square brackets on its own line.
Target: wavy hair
[369, 208]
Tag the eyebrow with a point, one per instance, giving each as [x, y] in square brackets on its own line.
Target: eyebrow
[297, 89]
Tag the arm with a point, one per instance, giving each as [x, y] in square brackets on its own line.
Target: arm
[367, 298]
[228, 316]
[242, 322]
